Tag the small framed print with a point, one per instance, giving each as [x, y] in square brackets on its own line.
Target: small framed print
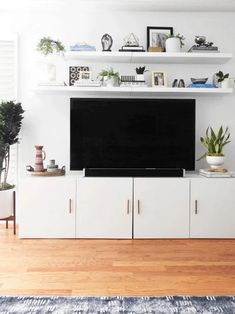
[85, 76]
[156, 37]
[159, 79]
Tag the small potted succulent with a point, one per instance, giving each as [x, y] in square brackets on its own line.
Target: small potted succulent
[11, 115]
[109, 77]
[140, 73]
[214, 142]
[222, 79]
[174, 43]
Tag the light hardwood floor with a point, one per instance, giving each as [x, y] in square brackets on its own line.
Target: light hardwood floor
[115, 267]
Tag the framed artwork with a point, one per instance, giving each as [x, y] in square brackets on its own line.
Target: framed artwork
[159, 79]
[85, 76]
[156, 37]
[74, 73]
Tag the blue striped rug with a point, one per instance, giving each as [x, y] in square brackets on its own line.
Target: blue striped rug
[117, 305]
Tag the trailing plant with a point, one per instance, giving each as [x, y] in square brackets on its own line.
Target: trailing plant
[110, 74]
[221, 76]
[11, 115]
[215, 141]
[47, 45]
[181, 38]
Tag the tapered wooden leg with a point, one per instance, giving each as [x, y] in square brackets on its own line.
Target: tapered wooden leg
[6, 223]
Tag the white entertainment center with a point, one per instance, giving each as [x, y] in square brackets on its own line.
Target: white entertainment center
[74, 206]
[84, 207]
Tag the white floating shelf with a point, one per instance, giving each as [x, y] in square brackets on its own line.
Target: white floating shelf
[150, 57]
[132, 91]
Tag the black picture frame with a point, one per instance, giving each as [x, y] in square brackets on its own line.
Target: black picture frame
[157, 30]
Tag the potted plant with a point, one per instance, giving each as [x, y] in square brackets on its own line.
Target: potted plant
[174, 43]
[214, 143]
[222, 79]
[140, 73]
[48, 46]
[109, 77]
[10, 125]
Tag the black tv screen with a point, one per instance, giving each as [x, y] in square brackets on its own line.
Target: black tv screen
[132, 133]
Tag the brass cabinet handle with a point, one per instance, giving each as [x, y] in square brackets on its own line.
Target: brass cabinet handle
[128, 207]
[70, 206]
[138, 207]
[195, 207]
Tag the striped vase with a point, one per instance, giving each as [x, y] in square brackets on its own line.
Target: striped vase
[40, 156]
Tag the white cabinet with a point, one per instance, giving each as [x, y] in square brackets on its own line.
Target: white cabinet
[161, 208]
[212, 208]
[46, 207]
[104, 208]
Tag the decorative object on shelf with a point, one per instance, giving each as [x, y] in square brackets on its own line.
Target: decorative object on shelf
[202, 85]
[86, 81]
[203, 45]
[174, 42]
[159, 79]
[47, 45]
[131, 43]
[131, 81]
[82, 47]
[40, 156]
[199, 80]
[47, 68]
[140, 74]
[222, 79]
[11, 115]
[180, 84]
[175, 83]
[45, 173]
[106, 42]
[156, 38]
[215, 173]
[109, 78]
[74, 73]
[215, 142]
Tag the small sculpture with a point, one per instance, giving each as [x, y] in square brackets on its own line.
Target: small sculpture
[106, 42]
[131, 40]
[201, 41]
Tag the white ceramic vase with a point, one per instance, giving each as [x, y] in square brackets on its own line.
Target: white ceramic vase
[215, 161]
[225, 83]
[109, 82]
[173, 44]
[6, 201]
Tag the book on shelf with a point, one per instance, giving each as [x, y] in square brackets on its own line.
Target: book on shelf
[203, 49]
[215, 173]
[208, 85]
[141, 48]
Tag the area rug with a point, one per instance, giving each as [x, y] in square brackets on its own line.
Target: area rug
[117, 305]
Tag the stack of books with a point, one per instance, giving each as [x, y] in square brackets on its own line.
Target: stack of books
[203, 49]
[132, 48]
[130, 80]
[208, 85]
[215, 173]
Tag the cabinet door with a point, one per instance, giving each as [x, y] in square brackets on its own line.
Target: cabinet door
[47, 207]
[104, 208]
[212, 208]
[161, 208]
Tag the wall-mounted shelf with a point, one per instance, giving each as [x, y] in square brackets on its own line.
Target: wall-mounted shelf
[150, 57]
[133, 91]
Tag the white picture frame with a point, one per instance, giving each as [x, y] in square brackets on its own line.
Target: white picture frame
[159, 79]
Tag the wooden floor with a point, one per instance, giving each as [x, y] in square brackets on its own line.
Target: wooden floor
[115, 267]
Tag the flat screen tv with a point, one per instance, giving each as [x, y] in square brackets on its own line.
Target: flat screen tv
[132, 133]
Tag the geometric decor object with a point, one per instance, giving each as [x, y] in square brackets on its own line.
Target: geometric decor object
[74, 73]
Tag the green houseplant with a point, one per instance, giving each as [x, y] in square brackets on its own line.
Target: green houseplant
[109, 77]
[47, 45]
[222, 79]
[214, 142]
[11, 115]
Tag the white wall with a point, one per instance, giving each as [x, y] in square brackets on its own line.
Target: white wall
[47, 117]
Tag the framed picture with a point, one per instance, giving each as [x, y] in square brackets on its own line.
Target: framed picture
[85, 76]
[156, 37]
[159, 79]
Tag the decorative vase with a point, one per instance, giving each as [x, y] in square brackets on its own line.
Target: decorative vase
[40, 156]
[215, 161]
[140, 77]
[109, 81]
[173, 45]
[47, 72]
[6, 201]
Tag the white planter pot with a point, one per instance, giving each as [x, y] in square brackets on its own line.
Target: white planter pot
[225, 83]
[109, 82]
[215, 161]
[173, 45]
[140, 77]
[6, 203]
[47, 72]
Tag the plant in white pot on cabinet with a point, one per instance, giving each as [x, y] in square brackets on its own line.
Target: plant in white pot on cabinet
[174, 43]
[11, 115]
[49, 47]
[214, 143]
[109, 78]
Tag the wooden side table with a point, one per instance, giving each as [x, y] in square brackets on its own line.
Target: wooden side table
[13, 216]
